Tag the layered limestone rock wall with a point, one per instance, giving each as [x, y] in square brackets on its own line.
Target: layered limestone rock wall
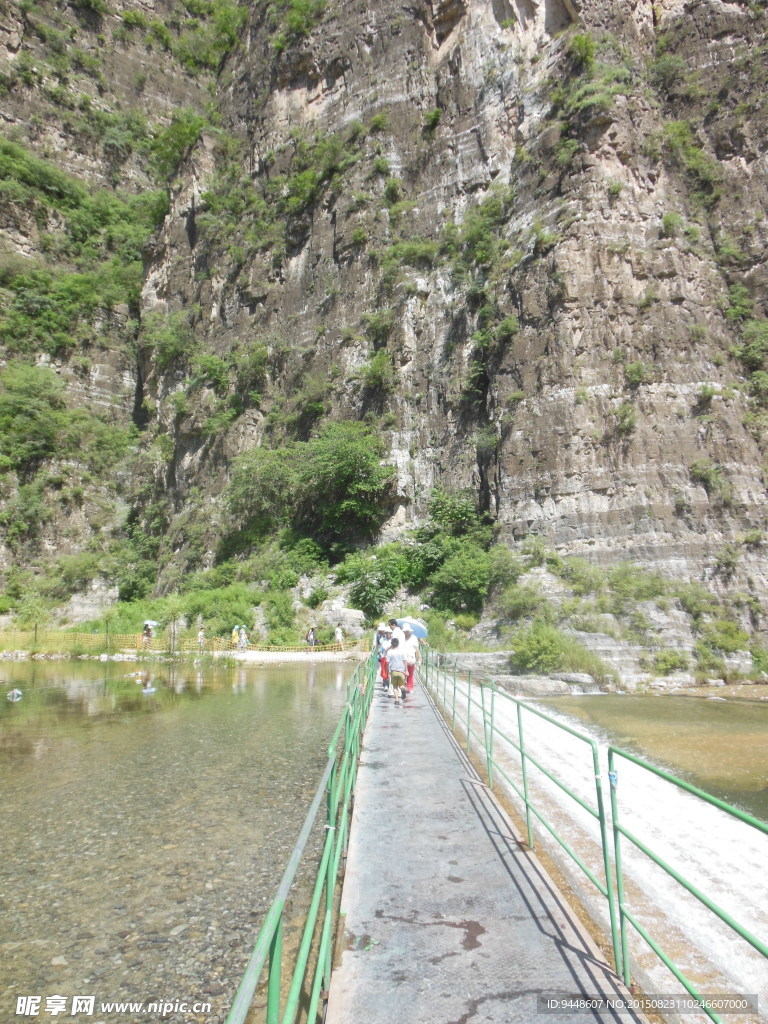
[546, 219]
[583, 425]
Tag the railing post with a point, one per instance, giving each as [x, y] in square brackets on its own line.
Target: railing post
[606, 860]
[524, 769]
[330, 885]
[493, 727]
[469, 709]
[483, 690]
[273, 985]
[624, 960]
[453, 709]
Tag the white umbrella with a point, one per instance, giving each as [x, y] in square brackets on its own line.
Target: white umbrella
[418, 627]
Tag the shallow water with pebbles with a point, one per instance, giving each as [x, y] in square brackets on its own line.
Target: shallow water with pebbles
[146, 824]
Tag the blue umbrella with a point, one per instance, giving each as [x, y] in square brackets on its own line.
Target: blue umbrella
[417, 626]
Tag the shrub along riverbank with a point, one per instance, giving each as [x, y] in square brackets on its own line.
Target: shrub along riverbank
[474, 593]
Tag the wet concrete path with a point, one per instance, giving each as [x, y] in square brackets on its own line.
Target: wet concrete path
[448, 919]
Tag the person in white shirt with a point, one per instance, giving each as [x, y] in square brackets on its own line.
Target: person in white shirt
[384, 644]
[410, 648]
[396, 671]
[397, 633]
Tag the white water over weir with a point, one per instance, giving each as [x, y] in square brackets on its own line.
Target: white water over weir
[723, 857]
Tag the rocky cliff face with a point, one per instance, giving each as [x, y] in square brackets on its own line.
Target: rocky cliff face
[525, 240]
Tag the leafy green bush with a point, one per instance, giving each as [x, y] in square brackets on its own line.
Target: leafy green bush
[31, 413]
[202, 46]
[506, 567]
[330, 488]
[476, 243]
[707, 473]
[725, 636]
[432, 119]
[463, 580]
[456, 514]
[171, 144]
[583, 49]
[581, 575]
[378, 375]
[209, 370]
[708, 662]
[100, 232]
[666, 662]
[168, 335]
[538, 648]
[297, 18]
[518, 601]
[753, 352]
[372, 590]
[666, 71]
[279, 615]
[23, 515]
[702, 171]
[631, 583]
[636, 373]
[542, 647]
[316, 597]
[36, 425]
[740, 303]
[506, 330]
[626, 419]
[695, 599]
[378, 325]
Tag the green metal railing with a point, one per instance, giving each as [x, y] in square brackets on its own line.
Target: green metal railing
[486, 707]
[482, 696]
[626, 916]
[311, 972]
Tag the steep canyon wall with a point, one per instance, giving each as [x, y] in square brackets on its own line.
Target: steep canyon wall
[526, 241]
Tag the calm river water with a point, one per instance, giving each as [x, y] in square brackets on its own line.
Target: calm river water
[146, 824]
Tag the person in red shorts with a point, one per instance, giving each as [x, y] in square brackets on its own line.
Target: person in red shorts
[383, 634]
[412, 655]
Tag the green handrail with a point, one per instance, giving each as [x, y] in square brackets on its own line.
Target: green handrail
[613, 889]
[335, 787]
[490, 731]
[625, 915]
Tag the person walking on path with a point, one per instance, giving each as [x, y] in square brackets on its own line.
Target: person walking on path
[412, 655]
[396, 670]
[310, 637]
[338, 635]
[382, 647]
[201, 639]
[397, 633]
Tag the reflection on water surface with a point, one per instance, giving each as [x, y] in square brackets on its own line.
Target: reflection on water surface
[147, 821]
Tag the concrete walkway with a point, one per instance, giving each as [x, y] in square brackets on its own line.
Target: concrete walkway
[448, 919]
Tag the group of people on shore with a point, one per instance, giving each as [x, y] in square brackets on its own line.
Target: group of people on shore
[338, 636]
[397, 648]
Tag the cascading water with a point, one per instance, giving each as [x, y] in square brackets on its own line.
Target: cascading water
[720, 855]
